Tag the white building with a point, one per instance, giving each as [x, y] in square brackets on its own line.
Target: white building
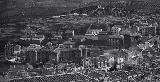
[33, 37]
[32, 47]
[17, 49]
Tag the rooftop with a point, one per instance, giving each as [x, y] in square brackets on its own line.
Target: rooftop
[68, 42]
[69, 31]
[97, 26]
[33, 36]
[64, 49]
[55, 78]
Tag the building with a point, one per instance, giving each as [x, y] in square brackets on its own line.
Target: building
[135, 38]
[9, 50]
[94, 31]
[31, 57]
[127, 41]
[103, 62]
[106, 42]
[94, 52]
[17, 49]
[32, 47]
[35, 57]
[43, 55]
[38, 37]
[68, 55]
[106, 60]
[69, 34]
[146, 30]
[32, 53]
[116, 29]
[78, 38]
[33, 37]
[69, 44]
[57, 37]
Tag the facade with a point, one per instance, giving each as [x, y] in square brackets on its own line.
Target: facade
[17, 49]
[37, 56]
[106, 42]
[135, 38]
[116, 29]
[9, 50]
[32, 47]
[95, 29]
[69, 34]
[127, 41]
[33, 37]
[32, 53]
[68, 55]
[43, 56]
[94, 52]
[93, 32]
[145, 31]
[69, 44]
[103, 62]
[31, 57]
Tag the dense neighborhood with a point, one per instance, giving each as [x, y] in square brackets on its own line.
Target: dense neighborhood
[90, 44]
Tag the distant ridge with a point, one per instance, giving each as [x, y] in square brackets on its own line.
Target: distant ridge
[16, 8]
[135, 4]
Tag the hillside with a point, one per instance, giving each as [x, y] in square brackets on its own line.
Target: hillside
[25, 8]
[14, 8]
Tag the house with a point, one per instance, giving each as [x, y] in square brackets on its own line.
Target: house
[25, 37]
[90, 56]
[116, 29]
[17, 49]
[69, 34]
[95, 29]
[32, 53]
[9, 50]
[92, 37]
[68, 55]
[69, 44]
[78, 38]
[135, 39]
[93, 32]
[94, 52]
[115, 56]
[103, 62]
[106, 42]
[38, 37]
[57, 37]
[32, 47]
[146, 30]
[33, 37]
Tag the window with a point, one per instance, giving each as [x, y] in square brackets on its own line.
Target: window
[99, 64]
[107, 64]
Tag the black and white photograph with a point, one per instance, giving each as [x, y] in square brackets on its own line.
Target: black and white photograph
[79, 40]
